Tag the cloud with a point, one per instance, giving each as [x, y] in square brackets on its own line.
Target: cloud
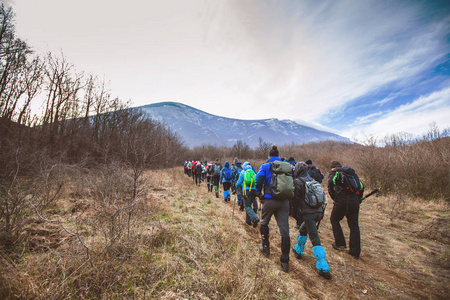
[414, 118]
[299, 55]
[302, 60]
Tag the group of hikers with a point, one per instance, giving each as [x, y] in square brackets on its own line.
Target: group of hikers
[286, 188]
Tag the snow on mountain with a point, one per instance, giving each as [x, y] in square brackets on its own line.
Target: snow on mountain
[199, 128]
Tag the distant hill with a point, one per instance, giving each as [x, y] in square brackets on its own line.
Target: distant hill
[197, 127]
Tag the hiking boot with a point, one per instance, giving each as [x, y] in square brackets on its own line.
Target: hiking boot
[241, 208]
[264, 250]
[284, 266]
[255, 222]
[248, 223]
[354, 256]
[297, 256]
[337, 247]
[325, 275]
[217, 194]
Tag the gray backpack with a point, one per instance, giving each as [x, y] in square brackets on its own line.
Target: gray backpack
[314, 195]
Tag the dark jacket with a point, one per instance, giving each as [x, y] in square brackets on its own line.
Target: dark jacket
[337, 193]
[300, 170]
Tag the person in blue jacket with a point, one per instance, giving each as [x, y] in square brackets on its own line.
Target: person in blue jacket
[271, 206]
[225, 180]
[249, 197]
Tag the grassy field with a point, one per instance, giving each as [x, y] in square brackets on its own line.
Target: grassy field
[183, 243]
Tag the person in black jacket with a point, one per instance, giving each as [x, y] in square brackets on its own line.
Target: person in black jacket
[314, 171]
[345, 204]
[310, 217]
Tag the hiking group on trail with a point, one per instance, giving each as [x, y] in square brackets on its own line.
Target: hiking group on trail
[286, 188]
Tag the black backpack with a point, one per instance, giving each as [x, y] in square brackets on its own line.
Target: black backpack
[209, 169]
[315, 173]
[198, 168]
[347, 179]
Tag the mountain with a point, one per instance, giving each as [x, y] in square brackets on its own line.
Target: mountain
[198, 128]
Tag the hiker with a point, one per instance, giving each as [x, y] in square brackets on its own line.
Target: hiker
[346, 202]
[292, 161]
[314, 171]
[185, 167]
[310, 216]
[216, 176]
[203, 171]
[225, 180]
[247, 181]
[194, 163]
[198, 173]
[272, 206]
[234, 175]
[209, 173]
[239, 170]
[189, 166]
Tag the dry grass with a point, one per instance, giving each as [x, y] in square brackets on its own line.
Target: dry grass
[186, 244]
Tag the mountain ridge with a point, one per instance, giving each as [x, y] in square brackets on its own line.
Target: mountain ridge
[197, 127]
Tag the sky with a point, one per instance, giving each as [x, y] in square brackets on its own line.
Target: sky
[359, 68]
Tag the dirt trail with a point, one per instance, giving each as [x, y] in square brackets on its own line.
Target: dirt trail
[395, 263]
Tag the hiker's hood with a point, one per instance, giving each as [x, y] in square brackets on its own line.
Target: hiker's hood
[246, 166]
[227, 164]
[300, 170]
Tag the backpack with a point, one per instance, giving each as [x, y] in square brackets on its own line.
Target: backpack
[227, 174]
[281, 181]
[216, 169]
[314, 195]
[198, 168]
[347, 179]
[315, 173]
[249, 178]
[209, 169]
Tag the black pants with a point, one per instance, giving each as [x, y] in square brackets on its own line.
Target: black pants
[348, 208]
[309, 227]
[198, 179]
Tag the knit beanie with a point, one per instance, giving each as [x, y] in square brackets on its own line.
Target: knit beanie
[273, 151]
[308, 162]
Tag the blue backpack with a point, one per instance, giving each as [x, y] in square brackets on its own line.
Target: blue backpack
[227, 174]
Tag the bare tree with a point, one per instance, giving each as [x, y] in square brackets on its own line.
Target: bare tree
[13, 65]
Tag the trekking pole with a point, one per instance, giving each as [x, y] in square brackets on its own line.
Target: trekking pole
[234, 203]
[377, 191]
[323, 214]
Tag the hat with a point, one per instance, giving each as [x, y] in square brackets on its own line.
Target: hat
[335, 164]
[308, 162]
[290, 159]
[273, 151]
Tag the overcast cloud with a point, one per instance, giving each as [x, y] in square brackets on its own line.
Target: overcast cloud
[358, 68]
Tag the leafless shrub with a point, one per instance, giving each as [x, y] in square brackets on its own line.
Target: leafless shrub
[115, 197]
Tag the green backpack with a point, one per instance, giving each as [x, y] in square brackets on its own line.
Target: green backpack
[249, 180]
[281, 181]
